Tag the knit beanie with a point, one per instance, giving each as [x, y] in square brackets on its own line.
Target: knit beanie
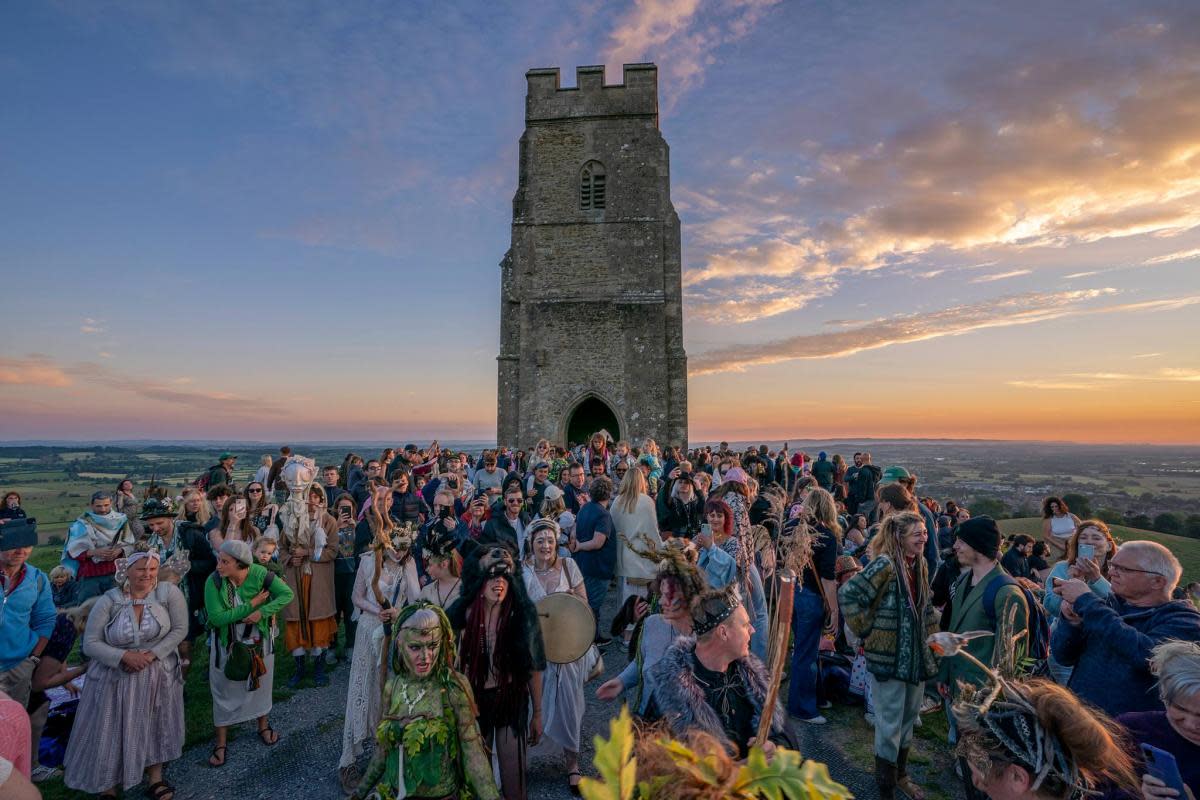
[981, 534]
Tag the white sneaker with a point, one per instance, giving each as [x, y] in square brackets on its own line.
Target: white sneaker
[44, 773]
[817, 720]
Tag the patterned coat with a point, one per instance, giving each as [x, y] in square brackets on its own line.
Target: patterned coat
[876, 606]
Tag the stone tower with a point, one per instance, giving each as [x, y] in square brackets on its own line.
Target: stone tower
[591, 322]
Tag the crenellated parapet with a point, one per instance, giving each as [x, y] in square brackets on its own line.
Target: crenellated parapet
[546, 100]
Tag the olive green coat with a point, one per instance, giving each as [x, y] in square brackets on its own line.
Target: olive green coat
[968, 614]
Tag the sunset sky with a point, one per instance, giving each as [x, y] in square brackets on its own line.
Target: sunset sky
[283, 220]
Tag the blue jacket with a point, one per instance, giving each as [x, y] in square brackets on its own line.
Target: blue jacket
[27, 616]
[718, 567]
[1110, 649]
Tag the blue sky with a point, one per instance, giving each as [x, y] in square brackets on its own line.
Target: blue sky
[285, 219]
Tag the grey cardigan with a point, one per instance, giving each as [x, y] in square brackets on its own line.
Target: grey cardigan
[166, 603]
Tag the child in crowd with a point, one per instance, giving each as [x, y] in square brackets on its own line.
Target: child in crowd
[64, 587]
[264, 553]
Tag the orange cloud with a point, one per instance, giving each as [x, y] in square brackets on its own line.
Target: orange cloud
[33, 370]
[1022, 309]
[1043, 148]
[681, 36]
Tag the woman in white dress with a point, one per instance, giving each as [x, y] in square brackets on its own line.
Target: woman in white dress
[386, 571]
[545, 572]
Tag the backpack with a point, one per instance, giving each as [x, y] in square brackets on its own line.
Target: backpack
[1037, 636]
[201, 483]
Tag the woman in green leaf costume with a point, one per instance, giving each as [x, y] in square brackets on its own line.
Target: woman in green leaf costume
[428, 745]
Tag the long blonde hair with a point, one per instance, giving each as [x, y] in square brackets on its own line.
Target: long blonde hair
[821, 505]
[203, 514]
[889, 541]
[633, 486]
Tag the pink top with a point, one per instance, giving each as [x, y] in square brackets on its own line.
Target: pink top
[14, 734]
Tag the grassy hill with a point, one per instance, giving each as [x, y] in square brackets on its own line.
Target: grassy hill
[1186, 550]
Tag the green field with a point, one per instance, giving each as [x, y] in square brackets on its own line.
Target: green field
[1186, 550]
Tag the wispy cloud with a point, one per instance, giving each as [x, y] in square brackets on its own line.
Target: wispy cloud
[91, 326]
[1054, 385]
[1090, 381]
[1021, 309]
[32, 370]
[41, 370]
[171, 392]
[682, 36]
[1002, 276]
[1182, 255]
[1148, 355]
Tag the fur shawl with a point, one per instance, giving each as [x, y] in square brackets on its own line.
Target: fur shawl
[679, 698]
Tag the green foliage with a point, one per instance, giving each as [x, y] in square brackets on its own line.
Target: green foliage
[1110, 516]
[615, 762]
[1080, 506]
[1139, 521]
[1168, 523]
[996, 509]
[1191, 526]
[786, 775]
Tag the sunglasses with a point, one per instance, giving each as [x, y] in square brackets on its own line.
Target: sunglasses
[254, 491]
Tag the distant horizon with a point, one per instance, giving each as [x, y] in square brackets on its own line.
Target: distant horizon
[771, 442]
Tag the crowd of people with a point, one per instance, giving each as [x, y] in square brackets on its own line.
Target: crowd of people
[1066, 665]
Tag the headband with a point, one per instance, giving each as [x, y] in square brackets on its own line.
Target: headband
[728, 602]
[138, 555]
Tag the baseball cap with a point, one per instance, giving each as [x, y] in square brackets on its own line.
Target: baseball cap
[894, 474]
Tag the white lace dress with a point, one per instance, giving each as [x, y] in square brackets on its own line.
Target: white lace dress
[364, 701]
[563, 699]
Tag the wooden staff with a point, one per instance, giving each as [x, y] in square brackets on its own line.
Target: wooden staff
[781, 627]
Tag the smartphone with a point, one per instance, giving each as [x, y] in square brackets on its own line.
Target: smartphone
[1163, 766]
[1087, 551]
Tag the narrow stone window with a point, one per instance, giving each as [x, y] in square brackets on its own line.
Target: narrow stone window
[591, 186]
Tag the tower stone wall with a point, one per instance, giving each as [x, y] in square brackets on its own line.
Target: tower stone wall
[591, 297]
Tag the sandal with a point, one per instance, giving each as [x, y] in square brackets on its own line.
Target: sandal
[160, 791]
[574, 787]
[268, 735]
[213, 760]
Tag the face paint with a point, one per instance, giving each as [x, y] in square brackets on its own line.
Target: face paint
[421, 649]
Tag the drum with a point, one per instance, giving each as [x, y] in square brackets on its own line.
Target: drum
[568, 627]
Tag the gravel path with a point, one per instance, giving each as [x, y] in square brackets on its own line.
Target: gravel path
[304, 762]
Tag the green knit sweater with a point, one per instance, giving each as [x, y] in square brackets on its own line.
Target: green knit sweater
[875, 604]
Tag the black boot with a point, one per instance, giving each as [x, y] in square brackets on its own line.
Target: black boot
[319, 676]
[903, 782]
[298, 675]
[885, 778]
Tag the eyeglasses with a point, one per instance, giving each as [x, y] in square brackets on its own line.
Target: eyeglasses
[1115, 567]
[513, 500]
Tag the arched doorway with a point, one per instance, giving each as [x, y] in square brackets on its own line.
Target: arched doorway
[592, 414]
